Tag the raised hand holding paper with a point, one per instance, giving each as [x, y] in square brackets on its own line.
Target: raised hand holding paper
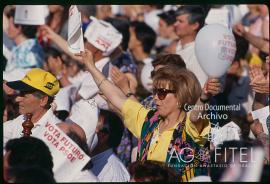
[215, 49]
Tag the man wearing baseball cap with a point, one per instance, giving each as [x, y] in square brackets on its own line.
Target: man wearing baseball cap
[36, 91]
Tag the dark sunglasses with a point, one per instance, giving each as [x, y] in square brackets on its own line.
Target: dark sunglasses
[162, 92]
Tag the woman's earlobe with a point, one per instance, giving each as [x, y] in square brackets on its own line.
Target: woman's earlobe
[179, 105]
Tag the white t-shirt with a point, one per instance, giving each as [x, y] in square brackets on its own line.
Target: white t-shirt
[13, 128]
[108, 167]
[187, 52]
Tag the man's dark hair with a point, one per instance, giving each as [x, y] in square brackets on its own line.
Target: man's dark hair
[152, 171]
[168, 17]
[169, 59]
[145, 34]
[123, 27]
[87, 10]
[29, 152]
[61, 114]
[113, 126]
[11, 13]
[29, 31]
[196, 14]
[50, 51]
[28, 174]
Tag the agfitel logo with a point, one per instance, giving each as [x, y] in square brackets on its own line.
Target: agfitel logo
[49, 85]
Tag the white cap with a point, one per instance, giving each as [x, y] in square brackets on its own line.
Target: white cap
[30, 14]
[85, 114]
[102, 35]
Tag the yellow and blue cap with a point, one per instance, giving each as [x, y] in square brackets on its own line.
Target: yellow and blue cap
[37, 79]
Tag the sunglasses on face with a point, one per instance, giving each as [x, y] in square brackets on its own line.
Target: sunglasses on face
[162, 92]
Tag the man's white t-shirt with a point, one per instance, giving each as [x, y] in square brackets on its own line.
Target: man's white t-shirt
[108, 167]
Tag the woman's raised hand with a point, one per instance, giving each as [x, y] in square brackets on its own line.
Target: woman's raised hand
[86, 58]
[212, 87]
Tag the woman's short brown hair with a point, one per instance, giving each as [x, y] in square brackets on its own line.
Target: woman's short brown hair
[183, 81]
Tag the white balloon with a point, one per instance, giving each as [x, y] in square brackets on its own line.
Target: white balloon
[146, 76]
[215, 49]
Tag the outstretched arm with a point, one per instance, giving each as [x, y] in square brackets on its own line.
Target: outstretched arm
[58, 40]
[109, 90]
[258, 42]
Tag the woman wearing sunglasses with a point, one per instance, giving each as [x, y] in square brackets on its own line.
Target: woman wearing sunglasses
[168, 134]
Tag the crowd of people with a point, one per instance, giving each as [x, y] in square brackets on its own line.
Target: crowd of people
[136, 99]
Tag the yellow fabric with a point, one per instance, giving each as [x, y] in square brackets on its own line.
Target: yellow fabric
[199, 138]
[255, 60]
[42, 80]
[134, 115]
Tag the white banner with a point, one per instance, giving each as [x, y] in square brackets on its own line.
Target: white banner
[68, 157]
[75, 35]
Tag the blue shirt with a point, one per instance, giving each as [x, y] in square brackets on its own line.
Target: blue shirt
[28, 54]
